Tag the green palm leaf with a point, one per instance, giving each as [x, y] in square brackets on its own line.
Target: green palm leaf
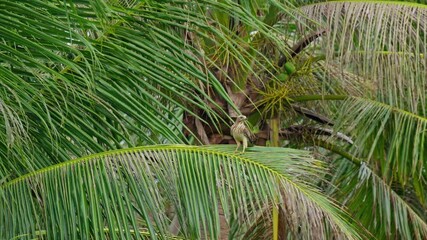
[95, 76]
[383, 42]
[128, 193]
[393, 137]
[81, 78]
[386, 211]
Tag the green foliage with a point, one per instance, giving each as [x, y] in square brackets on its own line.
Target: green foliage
[84, 77]
[127, 194]
[95, 77]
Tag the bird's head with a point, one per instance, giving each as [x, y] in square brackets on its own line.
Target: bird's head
[241, 118]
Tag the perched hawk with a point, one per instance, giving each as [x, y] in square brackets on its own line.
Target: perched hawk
[241, 133]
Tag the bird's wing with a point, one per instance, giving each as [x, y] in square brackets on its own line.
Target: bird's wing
[249, 134]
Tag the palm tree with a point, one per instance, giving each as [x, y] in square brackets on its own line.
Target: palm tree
[344, 80]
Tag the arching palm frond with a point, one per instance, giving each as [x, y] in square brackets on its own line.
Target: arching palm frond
[82, 78]
[373, 80]
[387, 210]
[135, 192]
[382, 42]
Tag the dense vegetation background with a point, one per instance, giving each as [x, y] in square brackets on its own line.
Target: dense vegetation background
[335, 92]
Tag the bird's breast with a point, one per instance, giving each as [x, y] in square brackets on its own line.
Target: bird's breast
[237, 131]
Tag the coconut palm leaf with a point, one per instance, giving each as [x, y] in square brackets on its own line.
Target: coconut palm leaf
[127, 194]
[373, 49]
[384, 41]
[373, 80]
[390, 136]
[381, 208]
[80, 78]
[381, 46]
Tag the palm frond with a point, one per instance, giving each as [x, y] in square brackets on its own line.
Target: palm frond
[124, 193]
[80, 78]
[393, 137]
[383, 42]
[385, 212]
[383, 134]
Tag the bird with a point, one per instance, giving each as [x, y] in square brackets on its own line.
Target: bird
[241, 133]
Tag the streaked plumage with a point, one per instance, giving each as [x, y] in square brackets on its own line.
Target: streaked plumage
[241, 133]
